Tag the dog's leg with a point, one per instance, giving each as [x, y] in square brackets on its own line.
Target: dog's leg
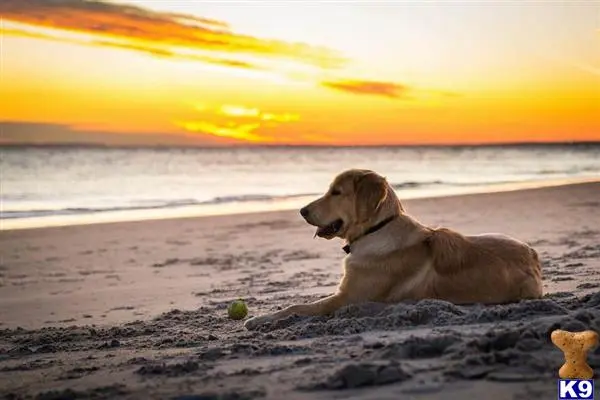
[323, 306]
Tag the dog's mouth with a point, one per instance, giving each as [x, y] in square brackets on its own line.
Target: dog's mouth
[329, 231]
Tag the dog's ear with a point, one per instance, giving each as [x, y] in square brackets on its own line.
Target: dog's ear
[371, 192]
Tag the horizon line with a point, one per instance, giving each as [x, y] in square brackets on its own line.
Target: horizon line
[297, 146]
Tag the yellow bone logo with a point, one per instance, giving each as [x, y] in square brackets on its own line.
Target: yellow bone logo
[575, 346]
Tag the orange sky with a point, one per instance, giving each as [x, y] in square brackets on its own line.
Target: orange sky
[185, 72]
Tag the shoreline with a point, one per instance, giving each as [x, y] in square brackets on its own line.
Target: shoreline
[138, 310]
[254, 207]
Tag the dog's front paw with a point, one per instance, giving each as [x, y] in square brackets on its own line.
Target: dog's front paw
[256, 322]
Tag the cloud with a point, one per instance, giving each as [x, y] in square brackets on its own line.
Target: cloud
[237, 122]
[243, 132]
[237, 111]
[159, 52]
[373, 88]
[153, 51]
[156, 29]
[39, 133]
[186, 37]
[26, 34]
[200, 135]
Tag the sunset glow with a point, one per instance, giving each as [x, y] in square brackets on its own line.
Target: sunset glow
[212, 73]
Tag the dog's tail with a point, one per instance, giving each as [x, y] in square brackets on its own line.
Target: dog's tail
[536, 259]
[536, 274]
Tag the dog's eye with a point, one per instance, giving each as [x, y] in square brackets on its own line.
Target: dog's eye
[335, 192]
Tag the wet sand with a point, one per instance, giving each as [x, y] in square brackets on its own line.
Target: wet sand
[137, 310]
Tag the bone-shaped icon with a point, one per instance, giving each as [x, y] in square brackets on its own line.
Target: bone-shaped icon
[575, 346]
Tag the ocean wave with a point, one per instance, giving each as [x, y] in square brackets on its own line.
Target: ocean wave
[156, 204]
[568, 171]
[143, 205]
[412, 184]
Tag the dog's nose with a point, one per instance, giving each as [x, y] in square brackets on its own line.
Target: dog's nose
[304, 212]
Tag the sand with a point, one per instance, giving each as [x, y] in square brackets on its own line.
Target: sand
[137, 310]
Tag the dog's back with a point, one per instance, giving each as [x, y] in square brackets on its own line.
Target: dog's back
[487, 268]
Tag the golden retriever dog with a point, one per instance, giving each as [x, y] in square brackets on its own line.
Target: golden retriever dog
[392, 257]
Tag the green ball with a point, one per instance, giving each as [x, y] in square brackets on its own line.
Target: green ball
[237, 309]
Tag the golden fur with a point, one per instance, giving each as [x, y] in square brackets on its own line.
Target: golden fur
[405, 259]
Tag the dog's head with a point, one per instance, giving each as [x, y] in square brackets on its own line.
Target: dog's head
[356, 200]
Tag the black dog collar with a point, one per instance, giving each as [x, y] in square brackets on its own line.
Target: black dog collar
[372, 229]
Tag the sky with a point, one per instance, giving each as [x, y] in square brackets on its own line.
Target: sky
[174, 72]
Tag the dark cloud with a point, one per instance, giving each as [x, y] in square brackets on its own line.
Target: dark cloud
[33, 133]
[373, 88]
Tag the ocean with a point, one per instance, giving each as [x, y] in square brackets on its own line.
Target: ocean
[54, 185]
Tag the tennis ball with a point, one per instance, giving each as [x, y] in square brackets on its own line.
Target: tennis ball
[237, 309]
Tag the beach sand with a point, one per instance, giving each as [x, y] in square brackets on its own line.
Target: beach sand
[137, 310]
